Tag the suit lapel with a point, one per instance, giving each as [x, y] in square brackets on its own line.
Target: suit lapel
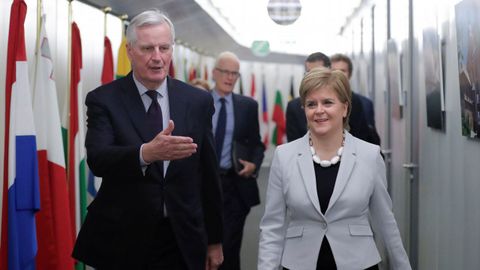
[134, 106]
[307, 171]
[236, 116]
[347, 164]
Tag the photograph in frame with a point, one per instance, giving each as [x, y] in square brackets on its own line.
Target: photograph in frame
[467, 14]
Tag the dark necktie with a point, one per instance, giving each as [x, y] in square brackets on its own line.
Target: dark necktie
[155, 120]
[221, 126]
[154, 114]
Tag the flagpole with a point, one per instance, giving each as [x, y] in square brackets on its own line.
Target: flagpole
[37, 42]
[39, 21]
[106, 10]
[123, 18]
[69, 78]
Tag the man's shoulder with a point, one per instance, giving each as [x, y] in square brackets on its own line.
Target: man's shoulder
[294, 105]
[365, 100]
[187, 89]
[112, 87]
[294, 102]
[244, 99]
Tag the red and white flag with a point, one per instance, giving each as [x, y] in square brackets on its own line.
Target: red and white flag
[21, 196]
[55, 239]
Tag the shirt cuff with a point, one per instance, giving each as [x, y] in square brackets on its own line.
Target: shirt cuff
[143, 164]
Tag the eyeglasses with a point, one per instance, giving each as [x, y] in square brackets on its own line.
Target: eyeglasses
[225, 72]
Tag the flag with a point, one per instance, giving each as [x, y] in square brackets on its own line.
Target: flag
[252, 87]
[107, 76]
[76, 170]
[123, 63]
[278, 117]
[55, 239]
[21, 197]
[265, 114]
[185, 71]
[292, 90]
[192, 73]
[107, 70]
[171, 70]
[205, 72]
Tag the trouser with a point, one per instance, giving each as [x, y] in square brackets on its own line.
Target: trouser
[235, 213]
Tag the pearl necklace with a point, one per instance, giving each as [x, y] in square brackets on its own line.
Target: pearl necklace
[326, 163]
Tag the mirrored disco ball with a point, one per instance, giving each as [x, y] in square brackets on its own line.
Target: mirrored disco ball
[284, 12]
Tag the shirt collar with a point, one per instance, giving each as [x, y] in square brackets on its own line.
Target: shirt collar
[217, 97]
[162, 89]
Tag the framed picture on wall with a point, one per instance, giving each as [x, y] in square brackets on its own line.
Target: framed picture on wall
[467, 14]
[432, 61]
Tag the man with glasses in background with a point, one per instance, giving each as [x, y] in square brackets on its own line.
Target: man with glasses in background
[150, 138]
[240, 153]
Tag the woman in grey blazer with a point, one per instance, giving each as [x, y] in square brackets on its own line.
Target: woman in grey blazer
[327, 191]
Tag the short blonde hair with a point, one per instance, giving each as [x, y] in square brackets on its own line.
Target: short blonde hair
[321, 77]
[200, 83]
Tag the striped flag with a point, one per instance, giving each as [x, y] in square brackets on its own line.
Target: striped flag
[123, 63]
[252, 87]
[76, 170]
[205, 72]
[192, 73]
[107, 70]
[171, 70]
[185, 70]
[265, 114]
[107, 76]
[55, 239]
[21, 196]
[278, 117]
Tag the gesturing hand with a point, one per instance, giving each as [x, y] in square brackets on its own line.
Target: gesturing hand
[167, 147]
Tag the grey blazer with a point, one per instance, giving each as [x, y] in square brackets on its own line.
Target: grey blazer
[293, 226]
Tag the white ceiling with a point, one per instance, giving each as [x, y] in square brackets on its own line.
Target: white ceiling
[317, 28]
[213, 26]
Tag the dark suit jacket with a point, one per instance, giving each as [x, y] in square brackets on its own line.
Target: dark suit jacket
[129, 204]
[297, 122]
[246, 131]
[368, 110]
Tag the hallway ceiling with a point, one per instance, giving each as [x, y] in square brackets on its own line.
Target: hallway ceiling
[198, 26]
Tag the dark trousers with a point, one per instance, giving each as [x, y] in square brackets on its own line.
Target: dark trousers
[160, 253]
[163, 251]
[235, 212]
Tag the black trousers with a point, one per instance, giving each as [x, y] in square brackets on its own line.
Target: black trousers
[235, 213]
[163, 251]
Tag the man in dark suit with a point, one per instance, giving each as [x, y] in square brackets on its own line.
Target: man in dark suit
[297, 122]
[240, 151]
[150, 138]
[343, 63]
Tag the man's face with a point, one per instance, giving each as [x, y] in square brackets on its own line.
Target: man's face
[225, 75]
[151, 54]
[311, 65]
[342, 66]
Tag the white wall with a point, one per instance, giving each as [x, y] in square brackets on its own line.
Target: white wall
[449, 179]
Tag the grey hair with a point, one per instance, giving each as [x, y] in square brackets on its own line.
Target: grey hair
[146, 18]
[226, 55]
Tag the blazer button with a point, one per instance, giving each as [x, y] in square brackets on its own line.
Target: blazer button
[323, 225]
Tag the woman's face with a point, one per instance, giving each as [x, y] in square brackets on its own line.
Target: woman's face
[324, 112]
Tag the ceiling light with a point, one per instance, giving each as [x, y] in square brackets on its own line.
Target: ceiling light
[284, 12]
